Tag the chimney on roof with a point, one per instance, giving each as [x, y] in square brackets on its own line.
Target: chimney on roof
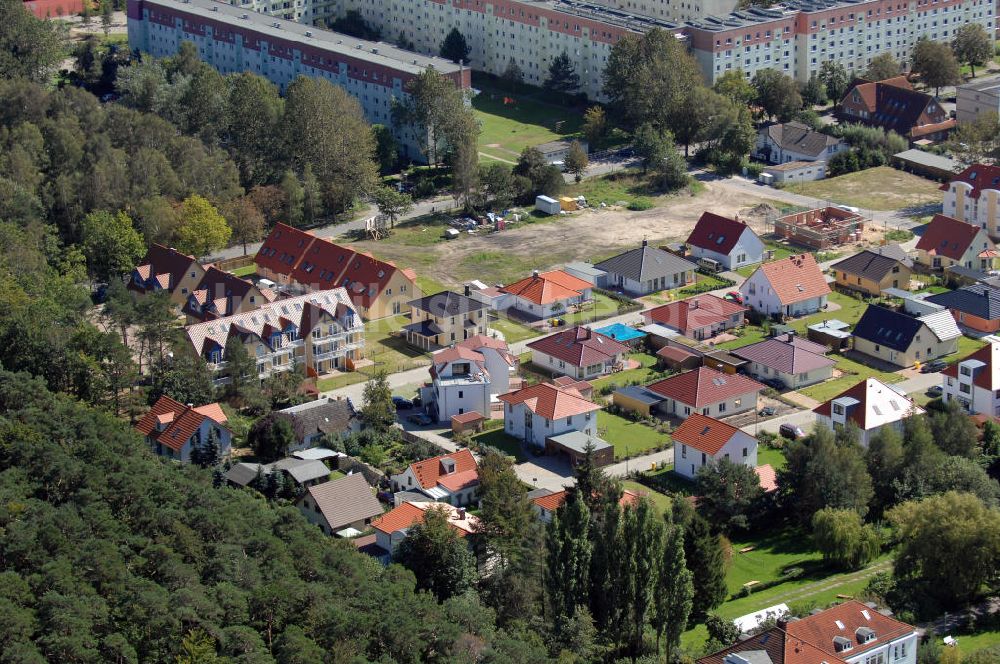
[645, 242]
[460, 515]
[534, 273]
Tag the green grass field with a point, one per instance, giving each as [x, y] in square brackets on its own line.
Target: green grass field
[854, 372]
[513, 332]
[508, 128]
[620, 378]
[503, 441]
[628, 437]
[246, 270]
[661, 501]
[767, 455]
[882, 188]
[601, 306]
[780, 251]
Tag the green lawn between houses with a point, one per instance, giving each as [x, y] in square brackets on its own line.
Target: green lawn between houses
[628, 437]
[507, 128]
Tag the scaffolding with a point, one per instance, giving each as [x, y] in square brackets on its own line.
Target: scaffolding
[821, 228]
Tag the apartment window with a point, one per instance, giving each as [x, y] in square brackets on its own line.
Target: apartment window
[461, 394]
[722, 407]
[965, 388]
[838, 409]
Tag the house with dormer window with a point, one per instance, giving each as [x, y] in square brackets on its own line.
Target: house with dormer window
[870, 405]
[174, 430]
[546, 410]
[165, 269]
[947, 242]
[449, 478]
[729, 242]
[793, 286]
[220, 294]
[445, 318]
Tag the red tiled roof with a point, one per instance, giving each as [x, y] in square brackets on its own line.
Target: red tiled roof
[704, 386]
[547, 287]
[282, 249]
[948, 237]
[183, 421]
[459, 481]
[703, 433]
[467, 418]
[429, 472]
[716, 233]
[550, 401]
[674, 353]
[694, 313]
[408, 514]
[165, 264]
[979, 177]
[768, 477]
[579, 346]
[821, 628]
[780, 648]
[894, 104]
[554, 501]
[796, 278]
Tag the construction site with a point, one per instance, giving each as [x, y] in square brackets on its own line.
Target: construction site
[821, 228]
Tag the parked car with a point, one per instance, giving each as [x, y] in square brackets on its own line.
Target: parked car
[734, 296]
[935, 391]
[933, 366]
[402, 403]
[767, 411]
[791, 431]
[775, 383]
[421, 419]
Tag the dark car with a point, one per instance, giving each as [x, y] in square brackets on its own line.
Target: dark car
[933, 366]
[766, 411]
[790, 431]
[775, 383]
[935, 391]
[421, 419]
[402, 403]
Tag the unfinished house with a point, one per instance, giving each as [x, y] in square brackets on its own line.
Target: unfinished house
[821, 228]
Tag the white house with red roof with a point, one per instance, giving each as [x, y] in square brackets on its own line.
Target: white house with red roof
[947, 241]
[729, 242]
[299, 259]
[973, 196]
[699, 317]
[871, 405]
[173, 430]
[702, 440]
[547, 294]
[578, 352]
[392, 527]
[468, 377]
[545, 410]
[449, 478]
[546, 505]
[975, 381]
[793, 286]
[706, 391]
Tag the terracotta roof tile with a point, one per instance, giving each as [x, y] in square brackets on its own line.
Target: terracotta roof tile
[796, 278]
[579, 346]
[705, 434]
[182, 421]
[821, 628]
[550, 401]
[694, 313]
[553, 501]
[768, 477]
[979, 177]
[948, 237]
[430, 471]
[704, 386]
[548, 287]
[409, 514]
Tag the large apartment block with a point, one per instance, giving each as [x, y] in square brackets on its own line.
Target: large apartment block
[234, 39]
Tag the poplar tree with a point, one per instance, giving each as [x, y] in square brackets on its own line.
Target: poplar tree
[567, 568]
[704, 557]
[673, 598]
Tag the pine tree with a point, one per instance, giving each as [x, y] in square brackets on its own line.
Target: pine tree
[455, 48]
[562, 77]
[704, 556]
[240, 368]
[674, 595]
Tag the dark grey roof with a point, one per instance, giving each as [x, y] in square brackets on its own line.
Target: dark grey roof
[243, 473]
[425, 328]
[798, 137]
[979, 300]
[887, 327]
[302, 470]
[645, 263]
[447, 303]
[641, 394]
[346, 500]
[874, 263]
[327, 416]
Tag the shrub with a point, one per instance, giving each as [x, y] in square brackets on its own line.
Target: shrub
[640, 204]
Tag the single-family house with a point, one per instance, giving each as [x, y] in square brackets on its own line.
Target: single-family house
[175, 430]
[706, 391]
[871, 405]
[468, 377]
[392, 527]
[299, 260]
[166, 269]
[646, 270]
[347, 502]
[544, 410]
[848, 633]
[701, 440]
[973, 196]
[320, 331]
[699, 317]
[444, 318]
[578, 352]
[219, 294]
[729, 242]
[894, 105]
[795, 361]
[976, 306]
[795, 171]
[873, 270]
[451, 478]
[782, 142]
[947, 242]
[546, 504]
[314, 421]
[904, 340]
[793, 286]
[547, 294]
[975, 381]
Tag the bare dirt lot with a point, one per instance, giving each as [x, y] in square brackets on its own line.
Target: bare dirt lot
[587, 235]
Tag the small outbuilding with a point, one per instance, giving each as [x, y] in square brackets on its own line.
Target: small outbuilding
[637, 399]
[833, 333]
[471, 421]
[547, 204]
[573, 444]
[678, 358]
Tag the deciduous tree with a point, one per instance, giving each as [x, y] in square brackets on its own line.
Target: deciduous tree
[576, 160]
[673, 594]
[377, 409]
[111, 243]
[734, 85]
[834, 76]
[392, 203]
[844, 538]
[506, 518]
[729, 493]
[437, 556]
[246, 221]
[29, 47]
[972, 46]
[595, 125]
[935, 63]
[567, 562]
[881, 67]
[703, 555]
[270, 437]
[820, 473]
[977, 141]
[202, 229]
[777, 94]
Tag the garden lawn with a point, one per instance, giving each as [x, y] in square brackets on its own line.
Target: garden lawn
[628, 437]
[768, 455]
[780, 251]
[503, 441]
[640, 375]
[245, 271]
[966, 346]
[513, 332]
[601, 306]
[661, 501]
[506, 129]
[882, 188]
[970, 643]
[789, 547]
[854, 372]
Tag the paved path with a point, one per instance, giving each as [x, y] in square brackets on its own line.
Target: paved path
[553, 473]
[830, 583]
